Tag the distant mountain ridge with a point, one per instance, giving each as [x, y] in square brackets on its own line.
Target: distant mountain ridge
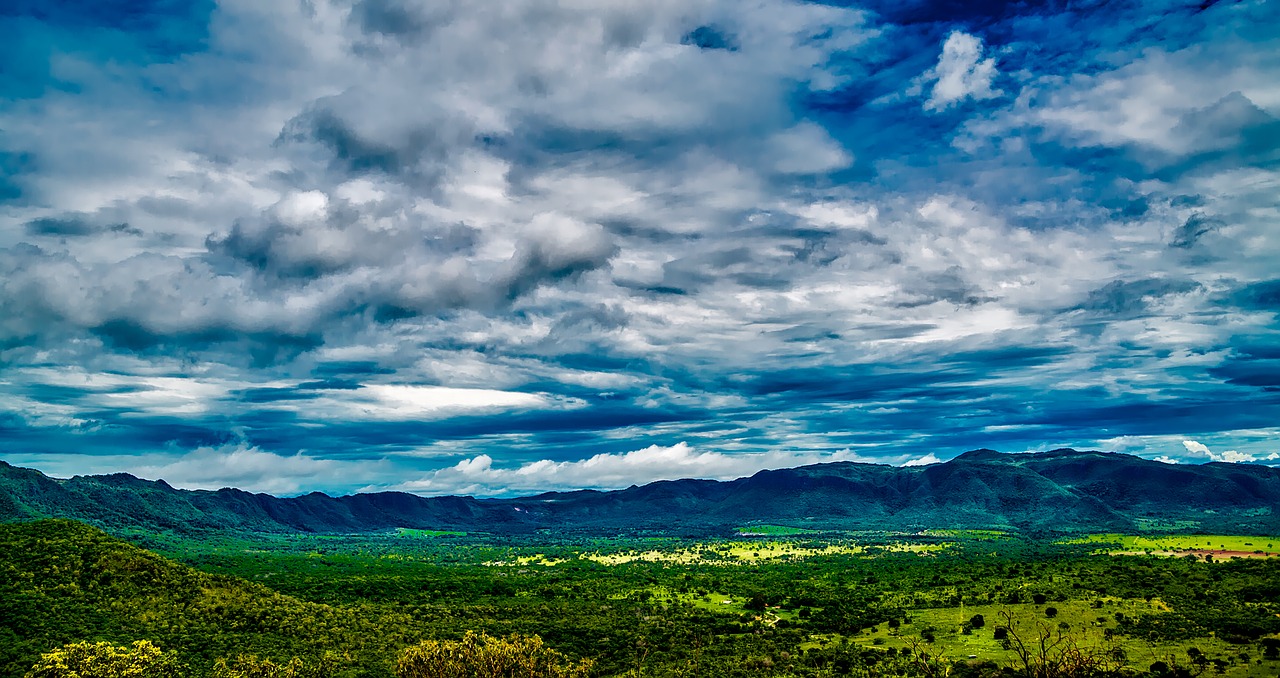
[1062, 490]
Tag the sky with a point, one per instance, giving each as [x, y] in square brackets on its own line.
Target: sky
[504, 247]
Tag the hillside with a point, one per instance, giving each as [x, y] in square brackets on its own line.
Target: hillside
[1062, 490]
[62, 581]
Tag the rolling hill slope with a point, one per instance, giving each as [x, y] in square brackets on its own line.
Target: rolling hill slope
[1062, 490]
[62, 581]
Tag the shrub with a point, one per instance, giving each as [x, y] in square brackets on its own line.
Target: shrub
[251, 666]
[106, 660]
[480, 655]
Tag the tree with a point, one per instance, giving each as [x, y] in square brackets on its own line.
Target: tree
[251, 666]
[106, 660]
[480, 655]
[1044, 653]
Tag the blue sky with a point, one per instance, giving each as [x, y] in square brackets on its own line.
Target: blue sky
[497, 248]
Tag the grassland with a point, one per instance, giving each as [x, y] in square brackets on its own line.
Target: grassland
[408, 532]
[1091, 627]
[772, 531]
[1197, 545]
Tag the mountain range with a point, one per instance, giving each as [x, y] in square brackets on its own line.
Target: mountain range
[1059, 491]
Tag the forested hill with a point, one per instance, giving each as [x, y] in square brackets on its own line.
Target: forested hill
[64, 581]
[1057, 491]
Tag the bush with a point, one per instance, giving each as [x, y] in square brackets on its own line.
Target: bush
[106, 660]
[480, 655]
[251, 666]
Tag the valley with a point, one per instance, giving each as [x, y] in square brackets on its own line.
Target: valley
[1051, 565]
[868, 604]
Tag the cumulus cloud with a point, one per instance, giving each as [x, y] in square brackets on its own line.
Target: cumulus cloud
[234, 464]
[1198, 450]
[961, 73]
[927, 459]
[481, 476]
[251, 469]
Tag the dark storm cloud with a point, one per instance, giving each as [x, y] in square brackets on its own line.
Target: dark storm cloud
[1196, 226]
[1260, 296]
[390, 17]
[1133, 297]
[710, 37]
[414, 151]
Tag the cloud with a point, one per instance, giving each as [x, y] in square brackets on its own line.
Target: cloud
[1198, 450]
[961, 73]
[480, 475]
[405, 402]
[233, 464]
[251, 469]
[343, 230]
[923, 461]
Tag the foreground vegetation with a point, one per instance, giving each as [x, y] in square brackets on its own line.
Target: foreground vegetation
[777, 602]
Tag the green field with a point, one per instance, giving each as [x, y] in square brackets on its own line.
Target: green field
[1228, 545]
[772, 531]
[407, 532]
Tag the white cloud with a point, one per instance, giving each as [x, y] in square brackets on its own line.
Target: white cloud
[1249, 446]
[480, 475]
[927, 459]
[961, 73]
[1201, 451]
[405, 402]
[237, 465]
[1196, 448]
[1179, 102]
[807, 149]
[249, 468]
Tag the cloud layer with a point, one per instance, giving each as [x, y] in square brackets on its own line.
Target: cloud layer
[582, 244]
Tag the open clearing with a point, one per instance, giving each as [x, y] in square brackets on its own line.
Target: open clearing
[1216, 546]
[1086, 624]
